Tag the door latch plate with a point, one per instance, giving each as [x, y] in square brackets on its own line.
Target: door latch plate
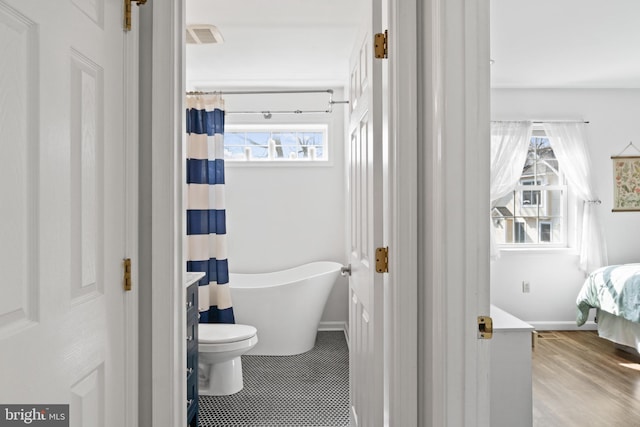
[485, 327]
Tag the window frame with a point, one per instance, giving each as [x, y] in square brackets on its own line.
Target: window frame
[565, 212]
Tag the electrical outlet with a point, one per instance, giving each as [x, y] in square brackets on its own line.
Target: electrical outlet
[526, 288]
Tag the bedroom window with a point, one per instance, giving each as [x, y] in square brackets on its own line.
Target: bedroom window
[273, 143]
[535, 213]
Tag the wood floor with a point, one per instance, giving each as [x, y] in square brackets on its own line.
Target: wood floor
[582, 380]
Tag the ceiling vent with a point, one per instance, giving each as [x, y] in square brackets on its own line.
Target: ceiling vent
[203, 34]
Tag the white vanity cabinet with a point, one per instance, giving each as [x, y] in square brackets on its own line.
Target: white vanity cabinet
[510, 381]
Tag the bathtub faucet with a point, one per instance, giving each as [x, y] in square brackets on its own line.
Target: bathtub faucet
[345, 270]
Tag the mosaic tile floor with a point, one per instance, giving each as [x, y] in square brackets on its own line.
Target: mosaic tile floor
[306, 390]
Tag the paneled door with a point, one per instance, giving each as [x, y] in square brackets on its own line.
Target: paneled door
[366, 191]
[62, 208]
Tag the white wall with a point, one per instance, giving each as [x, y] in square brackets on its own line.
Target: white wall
[554, 277]
[282, 216]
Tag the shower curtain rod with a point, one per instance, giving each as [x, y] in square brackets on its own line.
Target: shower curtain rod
[537, 122]
[268, 113]
[259, 92]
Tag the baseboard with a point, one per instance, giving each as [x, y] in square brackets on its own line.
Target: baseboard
[332, 326]
[563, 326]
[335, 326]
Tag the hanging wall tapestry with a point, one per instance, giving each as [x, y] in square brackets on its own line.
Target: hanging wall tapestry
[626, 183]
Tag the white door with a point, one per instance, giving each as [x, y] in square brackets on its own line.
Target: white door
[62, 207]
[366, 225]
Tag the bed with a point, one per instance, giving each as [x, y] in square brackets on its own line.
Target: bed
[614, 291]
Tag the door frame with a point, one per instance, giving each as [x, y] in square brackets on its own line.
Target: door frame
[131, 155]
[163, 271]
[401, 220]
[453, 193]
[442, 70]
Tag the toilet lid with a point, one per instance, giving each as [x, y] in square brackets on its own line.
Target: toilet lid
[219, 333]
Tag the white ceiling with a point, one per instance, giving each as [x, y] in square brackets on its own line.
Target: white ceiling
[565, 43]
[272, 43]
[541, 43]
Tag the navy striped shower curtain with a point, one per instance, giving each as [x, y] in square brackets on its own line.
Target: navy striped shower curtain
[206, 217]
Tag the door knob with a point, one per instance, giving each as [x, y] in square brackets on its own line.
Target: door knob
[345, 270]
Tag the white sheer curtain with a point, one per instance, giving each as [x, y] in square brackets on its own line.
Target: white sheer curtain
[568, 140]
[509, 146]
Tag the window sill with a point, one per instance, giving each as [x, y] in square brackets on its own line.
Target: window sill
[278, 164]
[537, 250]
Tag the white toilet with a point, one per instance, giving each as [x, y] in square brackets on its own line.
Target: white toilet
[219, 349]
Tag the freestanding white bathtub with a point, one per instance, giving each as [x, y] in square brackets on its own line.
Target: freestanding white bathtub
[284, 306]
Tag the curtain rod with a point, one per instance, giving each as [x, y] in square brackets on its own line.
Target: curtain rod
[259, 92]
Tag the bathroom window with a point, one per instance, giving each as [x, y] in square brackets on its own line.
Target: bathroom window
[276, 143]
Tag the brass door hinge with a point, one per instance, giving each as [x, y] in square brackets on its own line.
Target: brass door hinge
[380, 45]
[127, 274]
[382, 260]
[127, 12]
[485, 327]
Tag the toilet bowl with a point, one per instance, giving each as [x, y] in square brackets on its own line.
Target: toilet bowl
[219, 349]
